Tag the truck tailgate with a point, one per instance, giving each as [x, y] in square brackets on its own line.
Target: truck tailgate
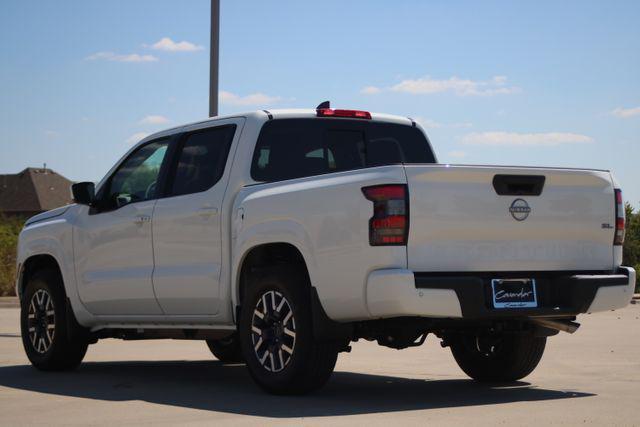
[459, 222]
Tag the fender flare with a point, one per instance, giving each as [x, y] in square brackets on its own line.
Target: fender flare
[324, 328]
[23, 261]
[269, 232]
[50, 247]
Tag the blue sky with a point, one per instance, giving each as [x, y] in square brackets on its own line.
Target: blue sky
[542, 83]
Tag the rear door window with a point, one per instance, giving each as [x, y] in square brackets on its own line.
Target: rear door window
[202, 157]
[295, 148]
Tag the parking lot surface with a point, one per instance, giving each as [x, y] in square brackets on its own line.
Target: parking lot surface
[589, 378]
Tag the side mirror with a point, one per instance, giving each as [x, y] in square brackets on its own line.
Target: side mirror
[84, 193]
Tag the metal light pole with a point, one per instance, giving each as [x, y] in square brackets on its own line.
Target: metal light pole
[214, 58]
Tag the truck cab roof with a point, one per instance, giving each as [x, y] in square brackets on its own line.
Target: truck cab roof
[265, 115]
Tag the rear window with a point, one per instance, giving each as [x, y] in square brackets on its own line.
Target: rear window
[295, 148]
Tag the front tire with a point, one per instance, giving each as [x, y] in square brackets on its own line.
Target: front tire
[276, 335]
[504, 358]
[52, 340]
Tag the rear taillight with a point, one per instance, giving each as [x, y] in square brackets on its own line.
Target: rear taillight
[354, 114]
[618, 239]
[389, 224]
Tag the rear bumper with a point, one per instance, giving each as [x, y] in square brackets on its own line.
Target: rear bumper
[398, 292]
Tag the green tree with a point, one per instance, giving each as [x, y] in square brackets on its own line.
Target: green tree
[9, 230]
[631, 256]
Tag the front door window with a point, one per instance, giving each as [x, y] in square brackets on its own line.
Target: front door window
[137, 178]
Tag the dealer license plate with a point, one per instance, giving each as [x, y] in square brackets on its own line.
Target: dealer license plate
[514, 293]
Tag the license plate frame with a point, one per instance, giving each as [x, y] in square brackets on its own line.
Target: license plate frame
[514, 293]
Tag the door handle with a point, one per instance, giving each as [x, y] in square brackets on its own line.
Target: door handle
[141, 219]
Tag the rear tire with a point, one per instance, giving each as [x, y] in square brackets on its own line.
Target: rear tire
[226, 350]
[51, 336]
[498, 359]
[276, 335]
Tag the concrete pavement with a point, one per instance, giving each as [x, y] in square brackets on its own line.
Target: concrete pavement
[591, 377]
[9, 302]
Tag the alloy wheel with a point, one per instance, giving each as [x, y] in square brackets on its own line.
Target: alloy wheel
[41, 321]
[273, 331]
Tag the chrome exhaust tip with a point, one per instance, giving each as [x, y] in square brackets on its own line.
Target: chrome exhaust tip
[558, 325]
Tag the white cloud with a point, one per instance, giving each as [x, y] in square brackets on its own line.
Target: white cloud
[51, 134]
[458, 154]
[461, 125]
[525, 139]
[169, 45]
[460, 87]
[153, 120]
[370, 90]
[428, 123]
[110, 56]
[258, 99]
[433, 124]
[625, 113]
[136, 137]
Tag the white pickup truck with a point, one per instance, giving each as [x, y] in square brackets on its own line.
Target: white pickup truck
[281, 236]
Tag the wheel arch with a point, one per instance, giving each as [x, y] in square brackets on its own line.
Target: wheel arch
[35, 263]
[272, 255]
[264, 255]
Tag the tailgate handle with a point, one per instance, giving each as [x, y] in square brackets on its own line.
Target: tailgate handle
[518, 185]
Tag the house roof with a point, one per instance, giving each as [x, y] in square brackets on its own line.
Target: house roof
[34, 190]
